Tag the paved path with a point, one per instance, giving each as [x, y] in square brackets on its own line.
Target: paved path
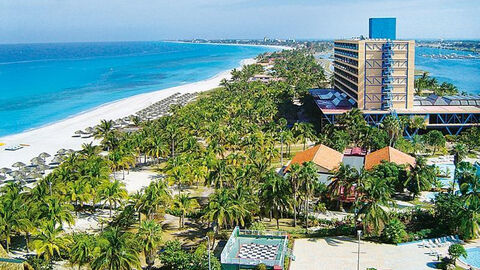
[340, 253]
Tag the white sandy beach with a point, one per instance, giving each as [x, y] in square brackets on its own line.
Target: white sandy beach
[58, 135]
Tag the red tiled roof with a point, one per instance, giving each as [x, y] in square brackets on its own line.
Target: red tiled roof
[321, 155]
[388, 154]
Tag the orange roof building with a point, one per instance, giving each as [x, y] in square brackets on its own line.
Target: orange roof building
[326, 158]
[388, 154]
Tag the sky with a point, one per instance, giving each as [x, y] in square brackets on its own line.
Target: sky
[27, 21]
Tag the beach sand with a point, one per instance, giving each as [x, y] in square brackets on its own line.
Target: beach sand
[58, 135]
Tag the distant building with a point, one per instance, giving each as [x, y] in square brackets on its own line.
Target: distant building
[376, 75]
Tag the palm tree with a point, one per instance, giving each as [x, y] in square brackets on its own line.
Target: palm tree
[79, 192]
[12, 212]
[294, 178]
[459, 152]
[103, 131]
[53, 209]
[48, 242]
[81, 252]
[469, 182]
[418, 144]
[150, 236]
[224, 209]
[185, 204]
[375, 195]
[282, 136]
[88, 149]
[173, 133]
[420, 178]
[116, 251]
[113, 192]
[303, 132]
[343, 179]
[219, 174]
[156, 147]
[469, 223]
[309, 177]
[393, 127]
[154, 196]
[275, 194]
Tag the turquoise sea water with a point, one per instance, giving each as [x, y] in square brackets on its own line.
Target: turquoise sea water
[464, 73]
[44, 83]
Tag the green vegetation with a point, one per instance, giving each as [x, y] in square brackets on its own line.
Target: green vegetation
[425, 82]
[456, 251]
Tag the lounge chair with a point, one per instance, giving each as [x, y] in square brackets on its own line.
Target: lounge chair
[451, 239]
[430, 244]
[437, 242]
[459, 241]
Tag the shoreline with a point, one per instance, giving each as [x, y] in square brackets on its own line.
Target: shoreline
[53, 136]
[278, 47]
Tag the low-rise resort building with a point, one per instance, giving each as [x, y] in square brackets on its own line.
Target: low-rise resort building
[376, 75]
[327, 159]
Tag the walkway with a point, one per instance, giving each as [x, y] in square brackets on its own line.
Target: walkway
[340, 253]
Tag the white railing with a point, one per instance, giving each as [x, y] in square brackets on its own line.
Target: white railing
[224, 257]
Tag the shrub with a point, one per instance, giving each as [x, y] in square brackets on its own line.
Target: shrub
[258, 226]
[455, 251]
[394, 231]
[174, 257]
[261, 267]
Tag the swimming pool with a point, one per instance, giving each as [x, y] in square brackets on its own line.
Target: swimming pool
[473, 257]
[447, 171]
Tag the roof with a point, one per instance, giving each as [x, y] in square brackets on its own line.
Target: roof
[331, 99]
[456, 100]
[321, 155]
[388, 154]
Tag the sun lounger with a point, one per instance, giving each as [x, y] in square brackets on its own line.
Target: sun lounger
[14, 147]
[460, 241]
[437, 242]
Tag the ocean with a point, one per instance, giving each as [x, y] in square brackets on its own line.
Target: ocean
[464, 73]
[45, 83]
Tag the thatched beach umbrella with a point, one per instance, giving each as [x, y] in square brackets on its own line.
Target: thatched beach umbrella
[44, 155]
[89, 130]
[2, 177]
[25, 169]
[62, 151]
[37, 161]
[42, 168]
[5, 170]
[34, 176]
[17, 174]
[79, 132]
[18, 164]
[56, 160]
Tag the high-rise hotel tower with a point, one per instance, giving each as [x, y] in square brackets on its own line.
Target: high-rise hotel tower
[378, 72]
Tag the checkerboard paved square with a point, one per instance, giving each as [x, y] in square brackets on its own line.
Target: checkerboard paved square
[258, 251]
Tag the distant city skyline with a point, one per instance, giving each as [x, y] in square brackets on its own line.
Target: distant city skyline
[24, 21]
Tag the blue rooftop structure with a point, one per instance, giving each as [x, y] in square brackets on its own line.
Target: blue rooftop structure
[384, 28]
[331, 99]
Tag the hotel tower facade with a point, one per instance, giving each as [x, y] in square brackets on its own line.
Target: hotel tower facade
[376, 75]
